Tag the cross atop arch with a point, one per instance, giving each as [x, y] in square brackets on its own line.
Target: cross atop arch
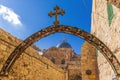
[56, 13]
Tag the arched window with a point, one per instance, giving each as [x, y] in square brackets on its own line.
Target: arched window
[63, 61]
[78, 77]
[53, 60]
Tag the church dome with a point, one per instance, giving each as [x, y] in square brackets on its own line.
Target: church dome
[64, 44]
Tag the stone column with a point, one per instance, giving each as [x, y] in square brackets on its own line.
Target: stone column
[89, 67]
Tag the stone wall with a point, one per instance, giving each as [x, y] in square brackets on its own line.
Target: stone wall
[109, 34]
[89, 68]
[30, 65]
[74, 70]
[58, 54]
[66, 59]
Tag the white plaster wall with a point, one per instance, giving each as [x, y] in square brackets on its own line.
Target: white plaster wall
[110, 35]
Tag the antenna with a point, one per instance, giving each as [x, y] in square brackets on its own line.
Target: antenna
[64, 39]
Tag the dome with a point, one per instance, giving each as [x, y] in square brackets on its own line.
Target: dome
[64, 44]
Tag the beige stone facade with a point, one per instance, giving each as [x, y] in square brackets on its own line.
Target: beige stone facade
[30, 65]
[109, 34]
[74, 70]
[89, 68]
[59, 55]
[78, 66]
[66, 59]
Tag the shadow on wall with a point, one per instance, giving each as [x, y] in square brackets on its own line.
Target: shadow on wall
[76, 77]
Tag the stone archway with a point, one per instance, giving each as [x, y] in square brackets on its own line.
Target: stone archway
[65, 29]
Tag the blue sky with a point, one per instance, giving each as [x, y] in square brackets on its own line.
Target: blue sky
[22, 18]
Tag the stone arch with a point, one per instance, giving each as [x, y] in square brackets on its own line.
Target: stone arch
[111, 58]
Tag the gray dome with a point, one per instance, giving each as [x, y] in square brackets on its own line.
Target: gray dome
[64, 44]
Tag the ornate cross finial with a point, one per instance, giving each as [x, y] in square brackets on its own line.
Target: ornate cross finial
[56, 13]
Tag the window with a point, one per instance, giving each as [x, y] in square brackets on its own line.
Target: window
[63, 61]
[53, 60]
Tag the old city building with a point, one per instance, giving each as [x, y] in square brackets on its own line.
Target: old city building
[64, 56]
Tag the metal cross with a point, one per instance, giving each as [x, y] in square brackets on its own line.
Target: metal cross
[56, 13]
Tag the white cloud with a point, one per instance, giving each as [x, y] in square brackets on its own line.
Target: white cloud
[9, 15]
